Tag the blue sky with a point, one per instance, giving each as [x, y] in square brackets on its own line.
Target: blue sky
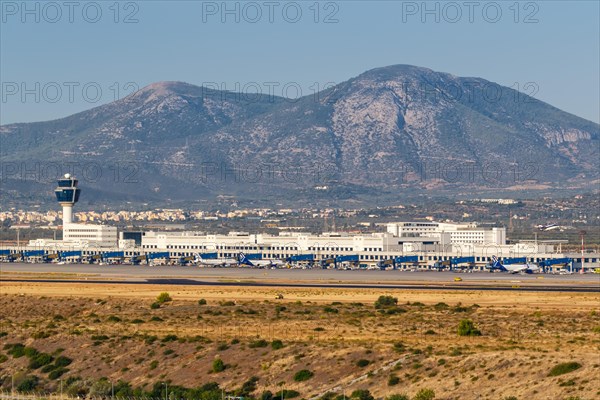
[58, 59]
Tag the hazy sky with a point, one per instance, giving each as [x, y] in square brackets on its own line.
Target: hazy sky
[58, 58]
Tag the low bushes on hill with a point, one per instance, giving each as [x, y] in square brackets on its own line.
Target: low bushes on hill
[39, 360]
[362, 363]
[277, 344]
[164, 297]
[303, 375]
[218, 365]
[425, 394]
[386, 301]
[258, 343]
[466, 327]
[564, 368]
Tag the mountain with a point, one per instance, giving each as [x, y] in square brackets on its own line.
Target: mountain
[387, 133]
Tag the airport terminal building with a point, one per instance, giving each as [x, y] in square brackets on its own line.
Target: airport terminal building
[417, 244]
[368, 249]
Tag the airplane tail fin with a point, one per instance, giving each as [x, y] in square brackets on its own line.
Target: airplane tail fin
[496, 263]
[243, 260]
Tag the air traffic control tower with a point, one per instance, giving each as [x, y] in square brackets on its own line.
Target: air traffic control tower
[67, 194]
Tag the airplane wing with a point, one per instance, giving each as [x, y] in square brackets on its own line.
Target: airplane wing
[518, 268]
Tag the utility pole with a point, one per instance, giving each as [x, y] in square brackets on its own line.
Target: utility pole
[112, 390]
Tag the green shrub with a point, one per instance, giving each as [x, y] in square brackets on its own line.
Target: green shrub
[258, 343]
[48, 368]
[154, 305]
[156, 319]
[113, 318]
[137, 321]
[30, 352]
[397, 397]
[393, 311]
[399, 347]
[150, 339]
[40, 360]
[227, 303]
[218, 365]
[564, 368]
[287, 394]
[16, 350]
[266, 395]
[393, 380]
[154, 364]
[425, 394]
[29, 384]
[362, 363]
[362, 394]
[277, 344]
[331, 310]
[570, 382]
[57, 373]
[202, 302]
[164, 297]
[99, 337]
[248, 387]
[303, 375]
[3, 358]
[222, 346]
[511, 398]
[466, 327]
[386, 301]
[460, 309]
[169, 338]
[42, 334]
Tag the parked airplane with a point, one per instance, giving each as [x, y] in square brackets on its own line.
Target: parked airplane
[217, 262]
[243, 260]
[513, 268]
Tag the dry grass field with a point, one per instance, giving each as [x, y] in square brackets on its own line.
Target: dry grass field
[79, 333]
